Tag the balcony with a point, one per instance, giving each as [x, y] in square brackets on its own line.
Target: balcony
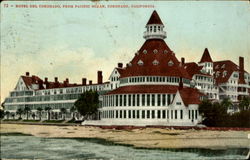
[157, 35]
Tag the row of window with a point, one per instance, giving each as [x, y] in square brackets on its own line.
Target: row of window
[153, 79]
[148, 114]
[21, 93]
[137, 100]
[43, 106]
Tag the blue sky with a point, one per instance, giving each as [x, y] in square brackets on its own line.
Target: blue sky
[75, 43]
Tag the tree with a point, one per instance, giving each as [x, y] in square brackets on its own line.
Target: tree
[87, 104]
[244, 103]
[27, 110]
[48, 110]
[13, 115]
[73, 110]
[33, 115]
[226, 102]
[1, 113]
[7, 113]
[19, 112]
[63, 112]
[39, 109]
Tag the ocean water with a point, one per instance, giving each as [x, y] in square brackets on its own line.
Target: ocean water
[16, 146]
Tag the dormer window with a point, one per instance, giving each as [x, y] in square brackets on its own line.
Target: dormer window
[165, 51]
[223, 66]
[155, 62]
[170, 63]
[145, 51]
[137, 53]
[155, 51]
[217, 67]
[224, 73]
[130, 64]
[140, 62]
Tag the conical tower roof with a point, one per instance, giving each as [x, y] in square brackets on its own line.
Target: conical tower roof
[154, 19]
[206, 57]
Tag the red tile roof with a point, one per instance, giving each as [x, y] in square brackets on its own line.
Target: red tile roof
[206, 57]
[30, 80]
[164, 55]
[224, 70]
[192, 68]
[145, 89]
[188, 95]
[154, 19]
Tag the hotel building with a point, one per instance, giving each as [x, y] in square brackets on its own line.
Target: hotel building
[154, 88]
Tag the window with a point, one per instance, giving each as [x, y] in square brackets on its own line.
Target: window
[143, 100]
[153, 113]
[163, 99]
[169, 100]
[143, 114]
[138, 114]
[159, 114]
[133, 113]
[165, 51]
[145, 51]
[155, 62]
[158, 100]
[138, 100]
[163, 114]
[178, 103]
[125, 100]
[129, 100]
[129, 113]
[148, 99]
[116, 114]
[120, 113]
[124, 114]
[133, 99]
[140, 62]
[170, 63]
[171, 114]
[116, 100]
[181, 114]
[155, 51]
[120, 100]
[153, 100]
[148, 113]
[176, 114]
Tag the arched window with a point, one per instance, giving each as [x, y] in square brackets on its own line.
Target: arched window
[155, 62]
[170, 63]
[140, 62]
[145, 51]
[155, 51]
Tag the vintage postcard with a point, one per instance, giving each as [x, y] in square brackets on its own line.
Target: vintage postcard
[125, 80]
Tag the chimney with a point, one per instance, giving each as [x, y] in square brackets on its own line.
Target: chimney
[120, 65]
[84, 81]
[99, 77]
[56, 79]
[180, 84]
[46, 79]
[182, 60]
[241, 63]
[90, 82]
[241, 71]
[67, 80]
[27, 74]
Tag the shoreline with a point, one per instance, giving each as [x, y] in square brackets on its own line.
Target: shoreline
[146, 138]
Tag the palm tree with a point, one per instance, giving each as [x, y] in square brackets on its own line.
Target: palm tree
[244, 103]
[63, 111]
[73, 109]
[13, 115]
[7, 113]
[19, 112]
[226, 103]
[27, 110]
[48, 110]
[39, 109]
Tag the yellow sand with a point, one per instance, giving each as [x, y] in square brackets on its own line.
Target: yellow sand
[148, 137]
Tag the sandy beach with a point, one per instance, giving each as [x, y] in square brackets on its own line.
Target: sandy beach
[144, 137]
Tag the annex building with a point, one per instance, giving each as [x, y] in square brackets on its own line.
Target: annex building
[154, 88]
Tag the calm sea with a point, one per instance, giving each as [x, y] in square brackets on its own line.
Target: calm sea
[16, 146]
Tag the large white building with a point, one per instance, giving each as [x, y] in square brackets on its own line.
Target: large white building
[154, 88]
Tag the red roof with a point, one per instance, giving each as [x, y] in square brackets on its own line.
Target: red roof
[223, 71]
[154, 19]
[192, 68]
[206, 57]
[30, 80]
[145, 89]
[155, 50]
[188, 95]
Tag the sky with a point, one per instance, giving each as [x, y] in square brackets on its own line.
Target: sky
[77, 42]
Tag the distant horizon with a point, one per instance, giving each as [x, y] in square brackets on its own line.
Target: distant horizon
[76, 43]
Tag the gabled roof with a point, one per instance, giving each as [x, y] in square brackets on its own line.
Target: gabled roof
[223, 71]
[155, 50]
[30, 80]
[206, 57]
[192, 68]
[190, 96]
[154, 19]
